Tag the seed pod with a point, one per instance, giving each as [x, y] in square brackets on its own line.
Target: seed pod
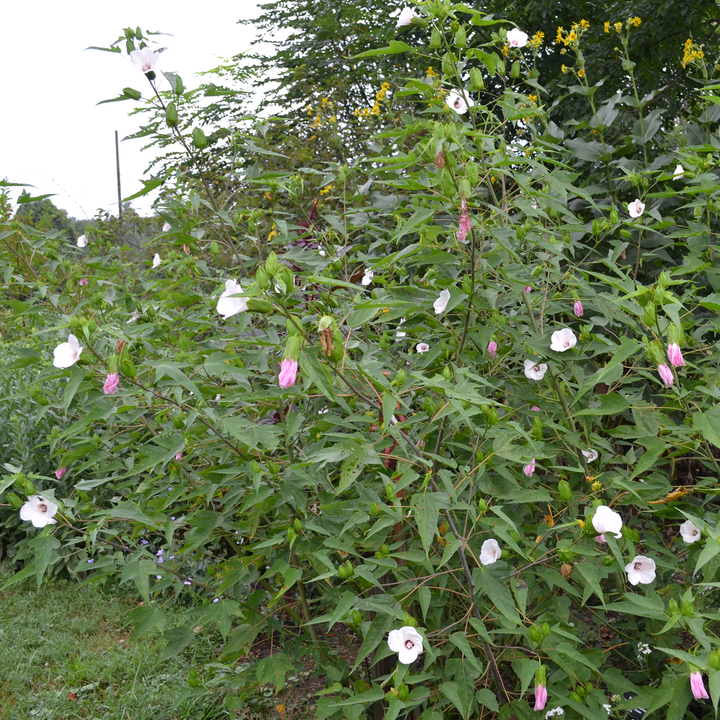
[435, 39]
[261, 279]
[128, 369]
[493, 417]
[400, 377]
[565, 491]
[460, 37]
[448, 64]
[199, 139]
[214, 248]
[515, 70]
[15, 502]
[477, 81]
[535, 633]
[258, 305]
[171, 115]
[179, 87]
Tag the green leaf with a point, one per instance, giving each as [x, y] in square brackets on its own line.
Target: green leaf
[451, 690]
[711, 302]
[427, 510]
[129, 511]
[710, 550]
[146, 618]
[317, 371]
[708, 424]
[395, 46]
[487, 698]
[273, 669]
[77, 375]
[459, 640]
[203, 524]
[45, 547]
[418, 217]
[177, 639]
[487, 579]
[373, 637]
[610, 404]
[714, 686]
[655, 448]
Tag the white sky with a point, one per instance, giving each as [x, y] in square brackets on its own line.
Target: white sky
[52, 133]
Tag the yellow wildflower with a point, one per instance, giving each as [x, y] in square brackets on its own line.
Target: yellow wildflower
[431, 73]
[385, 86]
[268, 196]
[532, 98]
[607, 26]
[635, 21]
[326, 190]
[618, 27]
[572, 37]
[537, 39]
[691, 52]
[581, 72]
[564, 68]
[559, 36]
[332, 119]
[505, 50]
[584, 25]
[324, 101]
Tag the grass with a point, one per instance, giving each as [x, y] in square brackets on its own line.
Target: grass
[68, 653]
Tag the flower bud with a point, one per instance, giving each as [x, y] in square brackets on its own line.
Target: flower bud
[435, 39]
[390, 492]
[447, 373]
[291, 534]
[400, 377]
[614, 217]
[546, 629]
[15, 502]
[688, 609]
[385, 550]
[171, 115]
[714, 659]
[482, 506]
[273, 467]
[374, 509]
[537, 428]
[664, 280]
[608, 560]
[476, 79]
[566, 554]
[356, 617]
[492, 417]
[297, 525]
[409, 620]
[258, 305]
[460, 37]
[261, 279]
[565, 491]
[515, 70]
[650, 315]
[535, 633]
[199, 139]
[448, 66]
[255, 467]
[574, 696]
[128, 369]
[467, 285]
[673, 607]
[403, 692]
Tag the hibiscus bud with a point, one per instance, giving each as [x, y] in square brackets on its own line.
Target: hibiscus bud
[288, 278]
[356, 617]
[128, 369]
[15, 502]
[403, 692]
[467, 285]
[537, 429]
[261, 279]
[608, 560]
[171, 115]
[389, 492]
[546, 629]
[460, 37]
[435, 39]
[535, 633]
[448, 65]
[500, 68]
[447, 373]
[255, 466]
[409, 620]
[476, 79]
[258, 305]
[493, 417]
[29, 487]
[374, 509]
[515, 70]
[293, 346]
[273, 467]
[614, 217]
[565, 554]
[650, 315]
[482, 506]
[688, 609]
[564, 491]
[400, 377]
[199, 139]
[574, 696]
[714, 660]
[673, 607]
[291, 534]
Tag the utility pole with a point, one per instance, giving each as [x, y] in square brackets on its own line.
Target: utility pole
[117, 162]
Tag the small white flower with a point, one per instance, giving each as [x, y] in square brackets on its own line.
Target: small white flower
[407, 642]
[166, 227]
[67, 353]
[607, 707]
[39, 511]
[644, 649]
[406, 17]
[517, 38]
[421, 348]
[535, 371]
[490, 552]
[82, 241]
[399, 334]
[156, 260]
[606, 520]
[367, 277]
[455, 101]
[689, 531]
[135, 315]
[145, 59]
[590, 454]
[563, 340]
[322, 253]
[679, 172]
[640, 570]
[227, 306]
[636, 208]
[441, 303]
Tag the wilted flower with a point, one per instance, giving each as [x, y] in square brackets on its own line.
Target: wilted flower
[679, 172]
[367, 277]
[457, 102]
[578, 309]
[636, 208]
[490, 552]
[540, 697]
[67, 353]
[464, 225]
[641, 570]
[529, 469]
[421, 348]
[60, 472]
[517, 38]
[606, 520]
[81, 241]
[407, 642]
[145, 59]
[406, 17]
[535, 408]
[441, 303]
[178, 457]
[288, 373]
[39, 511]
[156, 260]
[535, 371]
[528, 289]
[111, 384]
[227, 306]
[562, 340]
[698, 686]
[689, 531]
[600, 539]
[590, 454]
[492, 349]
[666, 375]
[83, 281]
[675, 355]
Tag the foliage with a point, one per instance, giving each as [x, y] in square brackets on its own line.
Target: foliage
[426, 287]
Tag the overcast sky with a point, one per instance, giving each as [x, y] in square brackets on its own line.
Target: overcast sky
[53, 134]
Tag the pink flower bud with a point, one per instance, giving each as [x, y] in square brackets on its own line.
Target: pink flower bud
[698, 686]
[83, 281]
[666, 375]
[288, 373]
[178, 457]
[492, 349]
[60, 472]
[111, 384]
[600, 539]
[540, 697]
[528, 289]
[578, 309]
[465, 224]
[675, 355]
[529, 469]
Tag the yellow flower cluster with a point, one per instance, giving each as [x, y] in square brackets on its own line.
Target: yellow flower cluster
[537, 39]
[431, 73]
[635, 21]
[632, 22]
[691, 52]
[566, 38]
[532, 98]
[380, 96]
[326, 190]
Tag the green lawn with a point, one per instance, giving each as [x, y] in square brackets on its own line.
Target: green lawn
[66, 652]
